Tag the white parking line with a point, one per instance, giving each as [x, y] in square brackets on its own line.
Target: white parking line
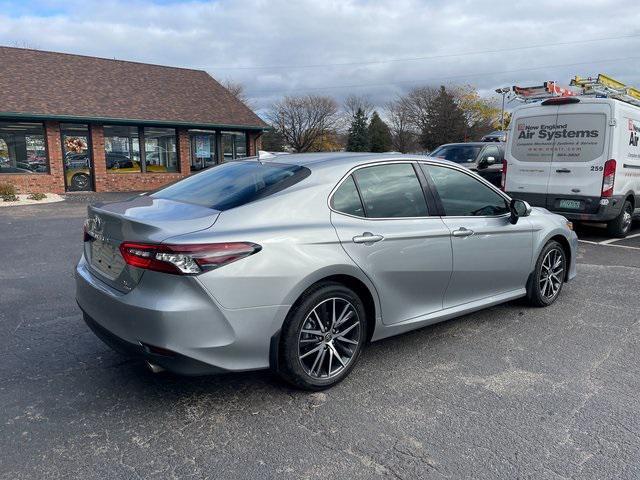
[606, 244]
[611, 240]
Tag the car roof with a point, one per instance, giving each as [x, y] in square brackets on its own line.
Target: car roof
[345, 159]
[473, 144]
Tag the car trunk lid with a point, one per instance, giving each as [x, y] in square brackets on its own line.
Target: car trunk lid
[142, 219]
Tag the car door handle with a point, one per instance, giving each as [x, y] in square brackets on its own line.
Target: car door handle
[563, 170]
[462, 232]
[367, 237]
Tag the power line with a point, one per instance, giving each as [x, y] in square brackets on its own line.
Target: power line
[428, 57]
[438, 79]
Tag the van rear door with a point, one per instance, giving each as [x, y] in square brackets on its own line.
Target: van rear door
[579, 154]
[529, 153]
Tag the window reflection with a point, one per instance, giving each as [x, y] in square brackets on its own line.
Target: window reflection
[22, 148]
[160, 150]
[122, 149]
[203, 149]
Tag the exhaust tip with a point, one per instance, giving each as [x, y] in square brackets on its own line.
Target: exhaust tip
[154, 368]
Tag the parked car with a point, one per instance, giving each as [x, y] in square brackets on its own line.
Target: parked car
[484, 159]
[580, 157]
[497, 136]
[296, 264]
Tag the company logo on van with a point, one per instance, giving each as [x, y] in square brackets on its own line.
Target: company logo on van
[553, 131]
[634, 128]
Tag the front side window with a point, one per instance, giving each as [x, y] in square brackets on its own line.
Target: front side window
[490, 152]
[462, 195]
[160, 150]
[391, 190]
[233, 184]
[457, 153]
[122, 149]
[347, 200]
[23, 148]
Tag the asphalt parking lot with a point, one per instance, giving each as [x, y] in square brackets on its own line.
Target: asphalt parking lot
[510, 392]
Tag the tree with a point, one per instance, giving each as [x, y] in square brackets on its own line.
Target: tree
[302, 120]
[482, 114]
[445, 123]
[237, 90]
[358, 137]
[379, 134]
[403, 132]
[273, 141]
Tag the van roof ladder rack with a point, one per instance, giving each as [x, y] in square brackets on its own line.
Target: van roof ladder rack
[605, 86]
[601, 86]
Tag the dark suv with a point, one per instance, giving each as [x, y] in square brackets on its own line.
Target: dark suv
[483, 158]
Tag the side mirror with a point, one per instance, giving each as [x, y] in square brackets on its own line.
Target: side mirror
[519, 208]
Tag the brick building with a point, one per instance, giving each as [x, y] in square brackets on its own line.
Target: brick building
[73, 123]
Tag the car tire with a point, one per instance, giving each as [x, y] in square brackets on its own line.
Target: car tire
[543, 287]
[313, 356]
[80, 182]
[620, 226]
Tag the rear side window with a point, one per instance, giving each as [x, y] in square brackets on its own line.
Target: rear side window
[391, 191]
[463, 196]
[234, 184]
[347, 200]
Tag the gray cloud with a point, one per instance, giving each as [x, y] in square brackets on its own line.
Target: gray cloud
[224, 35]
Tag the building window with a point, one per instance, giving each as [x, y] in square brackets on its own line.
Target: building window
[23, 148]
[203, 149]
[122, 149]
[160, 150]
[234, 145]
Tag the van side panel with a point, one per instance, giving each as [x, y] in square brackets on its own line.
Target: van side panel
[626, 150]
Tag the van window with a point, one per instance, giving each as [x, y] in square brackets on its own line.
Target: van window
[567, 137]
[581, 137]
[528, 144]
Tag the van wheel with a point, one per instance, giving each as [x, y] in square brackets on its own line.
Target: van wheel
[547, 279]
[322, 337]
[619, 227]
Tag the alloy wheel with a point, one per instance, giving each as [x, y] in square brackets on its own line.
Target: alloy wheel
[329, 338]
[551, 274]
[627, 217]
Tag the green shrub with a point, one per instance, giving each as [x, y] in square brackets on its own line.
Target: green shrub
[37, 196]
[8, 192]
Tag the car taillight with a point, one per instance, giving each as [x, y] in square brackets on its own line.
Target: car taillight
[608, 178]
[185, 259]
[503, 180]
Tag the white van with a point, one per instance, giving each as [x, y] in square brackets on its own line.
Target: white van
[577, 156]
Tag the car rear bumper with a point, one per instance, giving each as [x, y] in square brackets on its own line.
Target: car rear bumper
[593, 211]
[177, 314]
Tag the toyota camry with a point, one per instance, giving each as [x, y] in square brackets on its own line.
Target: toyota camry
[296, 264]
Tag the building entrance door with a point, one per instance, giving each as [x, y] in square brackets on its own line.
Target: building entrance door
[76, 157]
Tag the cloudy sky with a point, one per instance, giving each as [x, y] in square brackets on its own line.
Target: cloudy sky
[371, 47]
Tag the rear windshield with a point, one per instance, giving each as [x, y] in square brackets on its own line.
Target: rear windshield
[569, 137]
[234, 184]
[458, 153]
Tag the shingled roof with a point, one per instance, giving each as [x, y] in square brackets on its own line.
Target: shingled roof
[59, 85]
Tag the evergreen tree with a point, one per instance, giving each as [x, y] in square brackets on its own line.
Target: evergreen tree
[446, 122]
[358, 138]
[379, 134]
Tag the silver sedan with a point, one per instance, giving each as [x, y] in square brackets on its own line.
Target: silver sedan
[298, 262]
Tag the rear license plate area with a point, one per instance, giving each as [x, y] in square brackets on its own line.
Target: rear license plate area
[106, 259]
[565, 204]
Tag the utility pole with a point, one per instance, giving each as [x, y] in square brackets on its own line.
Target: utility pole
[502, 91]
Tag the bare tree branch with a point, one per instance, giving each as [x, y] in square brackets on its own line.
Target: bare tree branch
[303, 120]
